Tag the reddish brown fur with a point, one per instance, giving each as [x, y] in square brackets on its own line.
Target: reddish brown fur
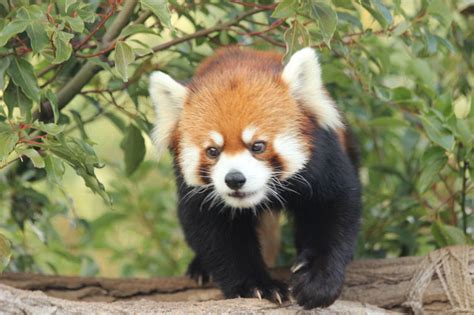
[235, 89]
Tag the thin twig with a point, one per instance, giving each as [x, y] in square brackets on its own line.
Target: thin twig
[255, 5]
[98, 26]
[99, 53]
[207, 31]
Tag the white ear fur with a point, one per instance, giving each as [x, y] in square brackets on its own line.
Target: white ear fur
[167, 97]
[303, 75]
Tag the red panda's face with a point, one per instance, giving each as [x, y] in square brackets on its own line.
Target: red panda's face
[241, 138]
[242, 125]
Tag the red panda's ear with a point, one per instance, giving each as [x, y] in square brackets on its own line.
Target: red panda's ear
[167, 97]
[303, 76]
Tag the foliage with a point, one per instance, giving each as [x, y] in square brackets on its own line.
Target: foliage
[74, 98]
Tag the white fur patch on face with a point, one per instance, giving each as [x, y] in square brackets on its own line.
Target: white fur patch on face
[189, 162]
[292, 151]
[248, 134]
[217, 138]
[303, 76]
[257, 175]
[167, 96]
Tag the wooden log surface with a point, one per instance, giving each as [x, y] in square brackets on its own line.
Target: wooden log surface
[383, 283]
[14, 301]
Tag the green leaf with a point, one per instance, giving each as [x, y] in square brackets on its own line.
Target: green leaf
[82, 158]
[102, 64]
[437, 134]
[136, 29]
[160, 9]
[36, 30]
[4, 63]
[133, 146]
[8, 140]
[388, 122]
[434, 161]
[11, 29]
[54, 169]
[123, 57]
[53, 101]
[285, 9]
[401, 28]
[94, 184]
[447, 235]
[296, 37]
[63, 48]
[5, 252]
[34, 156]
[378, 11]
[462, 107]
[326, 18]
[68, 3]
[80, 124]
[464, 132]
[117, 121]
[51, 129]
[75, 23]
[14, 97]
[22, 73]
[441, 9]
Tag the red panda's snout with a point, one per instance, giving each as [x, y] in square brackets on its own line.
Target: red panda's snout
[241, 180]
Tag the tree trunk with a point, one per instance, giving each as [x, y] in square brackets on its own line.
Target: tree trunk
[386, 283]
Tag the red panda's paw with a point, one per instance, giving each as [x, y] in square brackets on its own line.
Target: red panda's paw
[272, 290]
[197, 272]
[315, 286]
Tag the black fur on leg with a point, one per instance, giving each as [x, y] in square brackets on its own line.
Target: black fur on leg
[197, 272]
[326, 223]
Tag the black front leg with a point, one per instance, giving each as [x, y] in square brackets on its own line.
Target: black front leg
[325, 235]
[227, 248]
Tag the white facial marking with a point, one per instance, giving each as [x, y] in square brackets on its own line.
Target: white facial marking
[248, 134]
[189, 162]
[217, 138]
[292, 151]
[257, 175]
[303, 76]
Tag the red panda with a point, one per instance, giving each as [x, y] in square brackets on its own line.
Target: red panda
[249, 135]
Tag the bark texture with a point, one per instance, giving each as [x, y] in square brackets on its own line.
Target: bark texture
[14, 301]
[383, 283]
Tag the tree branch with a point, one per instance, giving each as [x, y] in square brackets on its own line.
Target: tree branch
[207, 31]
[87, 72]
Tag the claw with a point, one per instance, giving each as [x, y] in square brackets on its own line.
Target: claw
[278, 297]
[297, 267]
[258, 294]
[199, 280]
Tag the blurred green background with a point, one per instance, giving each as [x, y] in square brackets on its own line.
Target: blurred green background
[402, 72]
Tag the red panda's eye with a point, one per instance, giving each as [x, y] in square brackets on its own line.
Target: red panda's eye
[212, 152]
[258, 147]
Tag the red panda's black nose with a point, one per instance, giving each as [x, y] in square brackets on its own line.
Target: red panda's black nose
[235, 180]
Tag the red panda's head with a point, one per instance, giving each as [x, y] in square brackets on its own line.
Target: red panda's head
[243, 124]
